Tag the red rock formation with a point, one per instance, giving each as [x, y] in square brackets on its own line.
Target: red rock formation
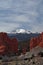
[8, 45]
[41, 44]
[33, 43]
[37, 41]
[15, 43]
[2, 49]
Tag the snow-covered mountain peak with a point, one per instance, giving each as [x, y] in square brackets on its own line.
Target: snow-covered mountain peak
[22, 31]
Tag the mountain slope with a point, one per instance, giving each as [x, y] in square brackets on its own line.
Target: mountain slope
[21, 31]
[22, 36]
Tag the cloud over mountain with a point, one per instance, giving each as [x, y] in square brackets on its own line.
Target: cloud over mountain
[26, 14]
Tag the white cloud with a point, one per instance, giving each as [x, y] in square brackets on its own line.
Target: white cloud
[21, 11]
[36, 27]
[17, 18]
[5, 4]
[8, 26]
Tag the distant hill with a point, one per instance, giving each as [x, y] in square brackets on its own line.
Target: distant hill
[23, 36]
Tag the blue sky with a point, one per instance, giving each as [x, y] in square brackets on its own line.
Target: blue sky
[16, 14]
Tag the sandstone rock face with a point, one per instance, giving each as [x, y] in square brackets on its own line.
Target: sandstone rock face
[33, 43]
[41, 44]
[8, 45]
[37, 41]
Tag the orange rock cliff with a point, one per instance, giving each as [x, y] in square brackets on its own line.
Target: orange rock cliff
[37, 41]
